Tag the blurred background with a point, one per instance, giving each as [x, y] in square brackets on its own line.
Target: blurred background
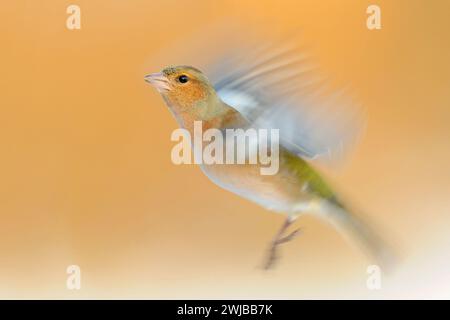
[86, 176]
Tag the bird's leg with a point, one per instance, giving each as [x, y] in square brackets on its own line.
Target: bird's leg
[279, 239]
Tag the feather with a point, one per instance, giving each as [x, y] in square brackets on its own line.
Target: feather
[277, 88]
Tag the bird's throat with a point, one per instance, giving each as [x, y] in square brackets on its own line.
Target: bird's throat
[211, 115]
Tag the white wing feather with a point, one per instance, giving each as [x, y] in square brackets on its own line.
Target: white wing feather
[280, 89]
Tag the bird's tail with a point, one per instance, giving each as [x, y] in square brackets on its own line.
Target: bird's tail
[361, 231]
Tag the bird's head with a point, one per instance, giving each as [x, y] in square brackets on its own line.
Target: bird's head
[186, 90]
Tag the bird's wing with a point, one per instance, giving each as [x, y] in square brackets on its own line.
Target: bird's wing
[278, 88]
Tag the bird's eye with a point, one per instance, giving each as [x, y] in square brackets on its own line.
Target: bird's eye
[183, 78]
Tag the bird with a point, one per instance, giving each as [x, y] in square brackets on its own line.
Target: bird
[272, 91]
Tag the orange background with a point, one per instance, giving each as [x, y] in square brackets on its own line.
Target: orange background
[86, 175]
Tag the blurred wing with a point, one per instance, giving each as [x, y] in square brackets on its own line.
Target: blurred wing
[278, 88]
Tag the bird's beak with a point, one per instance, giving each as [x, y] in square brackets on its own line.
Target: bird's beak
[158, 80]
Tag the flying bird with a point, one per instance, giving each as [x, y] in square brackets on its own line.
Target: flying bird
[273, 88]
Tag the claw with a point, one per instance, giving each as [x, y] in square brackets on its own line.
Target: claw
[272, 258]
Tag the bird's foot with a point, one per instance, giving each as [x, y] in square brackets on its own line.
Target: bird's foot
[273, 252]
[289, 237]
